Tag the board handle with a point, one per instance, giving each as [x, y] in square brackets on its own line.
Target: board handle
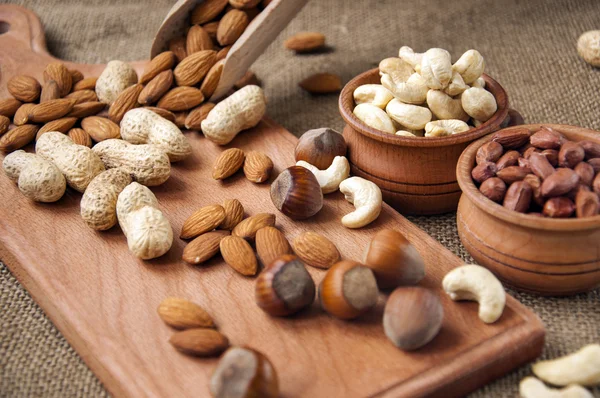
[20, 28]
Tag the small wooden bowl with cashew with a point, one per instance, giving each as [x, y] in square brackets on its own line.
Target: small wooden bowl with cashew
[540, 255]
[416, 175]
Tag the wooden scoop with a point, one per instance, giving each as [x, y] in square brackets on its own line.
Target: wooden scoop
[260, 33]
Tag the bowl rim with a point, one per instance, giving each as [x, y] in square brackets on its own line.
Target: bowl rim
[346, 104]
[465, 181]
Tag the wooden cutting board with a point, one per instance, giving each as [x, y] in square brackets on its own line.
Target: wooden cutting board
[104, 300]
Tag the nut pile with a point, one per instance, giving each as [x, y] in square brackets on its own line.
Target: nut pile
[541, 174]
[425, 95]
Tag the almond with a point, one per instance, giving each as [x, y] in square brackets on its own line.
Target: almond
[228, 162]
[181, 99]
[322, 83]
[18, 137]
[197, 40]
[61, 125]
[248, 78]
[194, 67]
[183, 314]
[234, 213]
[156, 88]
[203, 247]
[9, 106]
[82, 96]
[200, 342]
[80, 137]
[22, 114]
[126, 101]
[180, 118]
[512, 138]
[271, 244]
[89, 83]
[247, 228]
[100, 128]
[257, 167]
[60, 74]
[203, 220]
[211, 29]
[50, 91]
[86, 109]
[24, 88]
[305, 42]
[196, 116]
[50, 110]
[76, 76]
[207, 11]
[177, 47]
[316, 250]
[222, 54]
[4, 124]
[211, 81]
[231, 27]
[170, 116]
[162, 62]
[238, 254]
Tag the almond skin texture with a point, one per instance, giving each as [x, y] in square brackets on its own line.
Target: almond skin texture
[316, 250]
[197, 40]
[234, 213]
[4, 124]
[86, 109]
[257, 167]
[228, 163]
[238, 254]
[207, 11]
[170, 116]
[181, 99]
[512, 139]
[83, 96]
[24, 88]
[50, 91]
[100, 128]
[177, 47]
[231, 27]
[271, 244]
[80, 137]
[322, 83]
[303, 42]
[248, 228]
[200, 342]
[126, 101]
[50, 110]
[9, 106]
[183, 314]
[156, 88]
[162, 62]
[203, 220]
[76, 76]
[89, 83]
[194, 119]
[22, 114]
[210, 82]
[62, 125]
[61, 75]
[194, 67]
[203, 247]
[18, 137]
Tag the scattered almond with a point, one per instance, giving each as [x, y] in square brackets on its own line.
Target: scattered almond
[50, 91]
[238, 254]
[203, 247]
[82, 96]
[211, 81]
[228, 162]
[126, 101]
[9, 106]
[180, 118]
[58, 72]
[4, 124]
[156, 88]
[322, 83]
[177, 47]
[76, 76]
[196, 116]
[18, 137]
[257, 167]
[22, 114]
[200, 342]
[248, 78]
[24, 88]
[194, 67]
[207, 11]
[61, 125]
[231, 27]
[271, 244]
[316, 250]
[234, 213]
[181, 99]
[89, 83]
[170, 116]
[247, 228]
[86, 109]
[50, 110]
[305, 42]
[183, 314]
[162, 62]
[197, 40]
[203, 220]
[80, 137]
[100, 128]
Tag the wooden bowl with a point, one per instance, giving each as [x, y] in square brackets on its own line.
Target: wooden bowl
[540, 255]
[416, 175]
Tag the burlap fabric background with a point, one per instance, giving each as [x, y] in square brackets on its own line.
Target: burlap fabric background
[529, 48]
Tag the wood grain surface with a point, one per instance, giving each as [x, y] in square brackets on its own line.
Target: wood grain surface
[104, 300]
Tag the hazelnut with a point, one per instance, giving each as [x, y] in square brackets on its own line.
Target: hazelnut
[320, 146]
[585, 172]
[394, 260]
[510, 158]
[591, 149]
[243, 372]
[297, 193]
[560, 207]
[348, 290]
[284, 287]
[586, 203]
[489, 152]
[570, 154]
[511, 174]
[483, 171]
[493, 189]
[595, 163]
[413, 317]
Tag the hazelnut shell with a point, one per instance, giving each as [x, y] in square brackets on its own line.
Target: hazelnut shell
[320, 146]
[297, 193]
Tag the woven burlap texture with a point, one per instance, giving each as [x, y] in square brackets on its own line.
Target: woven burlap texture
[529, 47]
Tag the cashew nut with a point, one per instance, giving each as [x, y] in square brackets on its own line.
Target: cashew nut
[479, 103]
[78, 163]
[414, 91]
[148, 164]
[38, 179]
[473, 282]
[457, 85]
[405, 133]
[149, 233]
[530, 387]
[329, 179]
[374, 94]
[436, 68]
[581, 367]
[99, 201]
[409, 56]
[470, 65]
[115, 78]
[588, 47]
[366, 197]
[375, 117]
[413, 117]
[143, 126]
[240, 111]
[444, 106]
[479, 83]
[398, 69]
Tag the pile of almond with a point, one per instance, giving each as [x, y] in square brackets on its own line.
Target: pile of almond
[542, 174]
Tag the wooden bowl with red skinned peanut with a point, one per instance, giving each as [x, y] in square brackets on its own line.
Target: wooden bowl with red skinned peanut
[546, 256]
[416, 174]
